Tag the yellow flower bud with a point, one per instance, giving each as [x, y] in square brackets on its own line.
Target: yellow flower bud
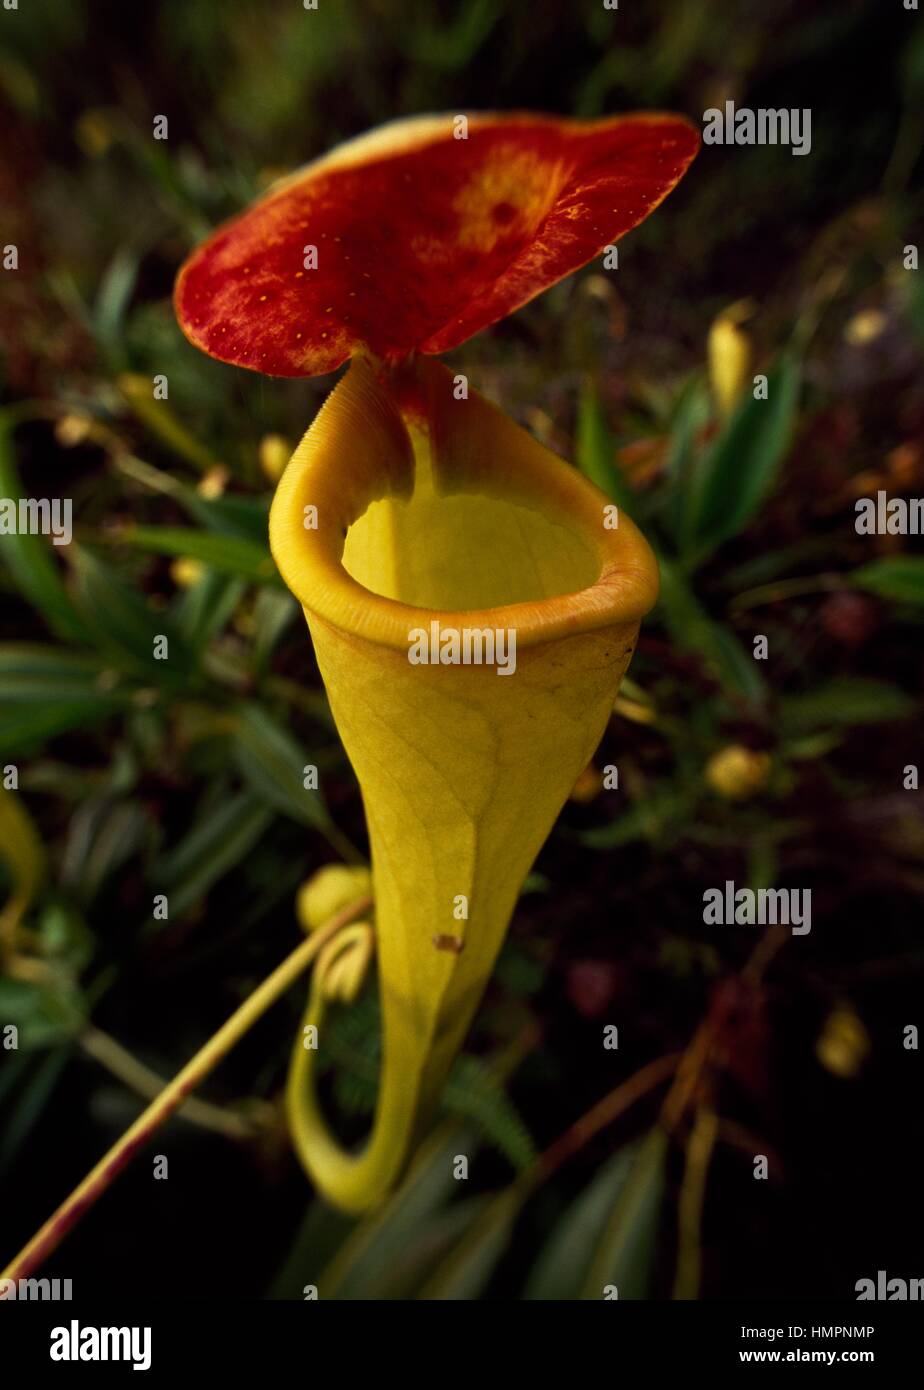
[213, 484]
[729, 352]
[844, 1042]
[275, 452]
[865, 327]
[73, 429]
[185, 572]
[737, 773]
[329, 891]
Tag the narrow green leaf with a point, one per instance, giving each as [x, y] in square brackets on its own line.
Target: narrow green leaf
[739, 470]
[389, 1252]
[274, 610]
[29, 559]
[43, 1076]
[36, 671]
[231, 515]
[625, 1255]
[694, 631]
[466, 1271]
[595, 449]
[274, 765]
[228, 554]
[45, 690]
[219, 840]
[899, 577]
[160, 419]
[561, 1270]
[690, 416]
[844, 701]
[103, 835]
[203, 610]
[25, 727]
[664, 808]
[322, 1232]
[124, 624]
[112, 300]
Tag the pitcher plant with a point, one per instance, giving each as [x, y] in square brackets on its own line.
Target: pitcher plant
[473, 601]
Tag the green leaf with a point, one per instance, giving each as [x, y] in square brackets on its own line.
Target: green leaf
[27, 727]
[768, 565]
[227, 554]
[465, 1272]
[273, 764]
[219, 840]
[899, 577]
[451, 45]
[203, 609]
[103, 835]
[739, 470]
[125, 625]
[663, 808]
[28, 559]
[390, 1252]
[115, 292]
[562, 1268]
[694, 631]
[690, 416]
[274, 610]
[625, 1254]
[228, 515]
[473, 1091]
[47, 690]
[43, 1015]
[844, 701]
[595, 449]
[160, 419]
[231, 515]
[39, 1084]
[34, 671]
[322, 1232]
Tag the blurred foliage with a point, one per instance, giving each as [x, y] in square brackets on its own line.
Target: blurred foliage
[184, 776]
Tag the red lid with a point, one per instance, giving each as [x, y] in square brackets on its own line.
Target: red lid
[412, 239]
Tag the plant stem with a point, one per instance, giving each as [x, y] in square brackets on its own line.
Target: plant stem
[700, 1145]
[136, 1136]
[603, 1114]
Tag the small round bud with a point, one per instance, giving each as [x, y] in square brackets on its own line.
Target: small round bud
[736, 772]
[329, 891]
[275, 452]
